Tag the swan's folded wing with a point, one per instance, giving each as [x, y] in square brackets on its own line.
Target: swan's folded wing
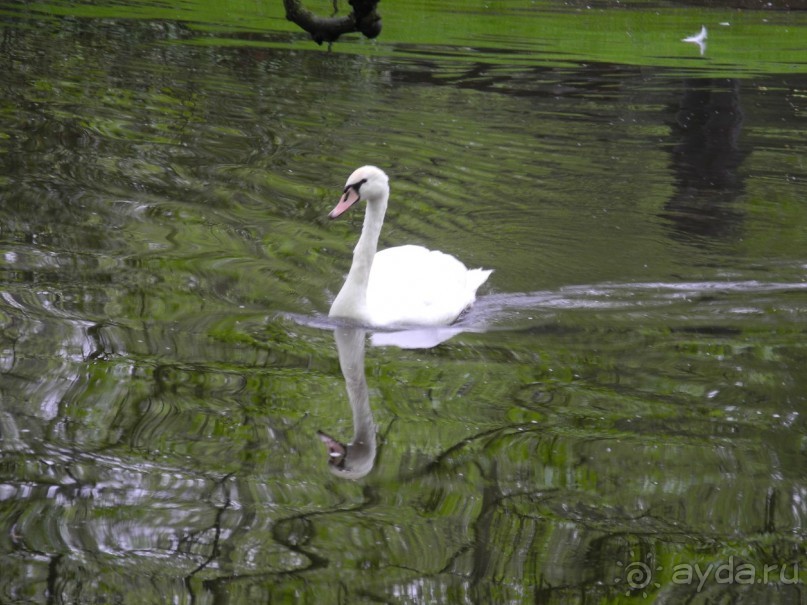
[411, 285]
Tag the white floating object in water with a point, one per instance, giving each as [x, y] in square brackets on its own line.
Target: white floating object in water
[699, 39]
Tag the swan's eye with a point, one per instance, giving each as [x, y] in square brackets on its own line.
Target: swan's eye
[355, 186]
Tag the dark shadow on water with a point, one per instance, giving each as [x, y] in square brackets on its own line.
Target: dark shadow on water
[706, 160]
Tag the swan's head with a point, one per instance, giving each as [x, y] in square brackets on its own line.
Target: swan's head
[366, 183]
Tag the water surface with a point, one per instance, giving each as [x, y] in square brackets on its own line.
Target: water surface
[626, 401]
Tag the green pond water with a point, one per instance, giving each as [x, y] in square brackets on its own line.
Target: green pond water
[622, 417]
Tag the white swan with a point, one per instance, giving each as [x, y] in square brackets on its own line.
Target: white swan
[407, 285]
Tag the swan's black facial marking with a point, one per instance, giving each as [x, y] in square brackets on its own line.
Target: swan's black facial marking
[350, 195]
[355, 187]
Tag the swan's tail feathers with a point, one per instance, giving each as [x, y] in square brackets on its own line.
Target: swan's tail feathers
[477, 277]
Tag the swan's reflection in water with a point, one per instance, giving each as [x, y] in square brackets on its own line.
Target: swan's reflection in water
[697, 301]
[356, 458]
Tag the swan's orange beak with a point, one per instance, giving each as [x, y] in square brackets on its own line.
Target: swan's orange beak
[349, 197]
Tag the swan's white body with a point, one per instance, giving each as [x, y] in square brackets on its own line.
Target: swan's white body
[406, 285]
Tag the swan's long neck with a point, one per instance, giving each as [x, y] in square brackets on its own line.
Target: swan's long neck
[351, 301]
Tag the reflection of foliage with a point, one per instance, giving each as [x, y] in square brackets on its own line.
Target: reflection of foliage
[159, 421]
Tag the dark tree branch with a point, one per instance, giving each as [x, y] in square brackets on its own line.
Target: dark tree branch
[363, 18]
